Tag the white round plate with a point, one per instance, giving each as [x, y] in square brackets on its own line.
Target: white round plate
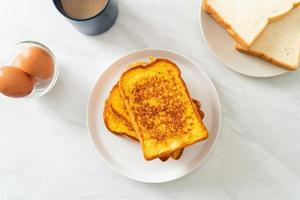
[124, 155]
[222, 46]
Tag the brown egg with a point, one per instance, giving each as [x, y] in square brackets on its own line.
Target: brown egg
[14, 82]
[36, 62]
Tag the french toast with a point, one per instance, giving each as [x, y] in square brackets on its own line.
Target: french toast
[115, 96]
[118, 121]
[117, 124]
[117, 103]
[160, 108]
[119, 107]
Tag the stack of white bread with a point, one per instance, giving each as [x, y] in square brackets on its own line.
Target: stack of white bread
[268, 29]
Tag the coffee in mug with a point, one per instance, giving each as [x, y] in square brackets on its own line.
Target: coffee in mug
[83, 9]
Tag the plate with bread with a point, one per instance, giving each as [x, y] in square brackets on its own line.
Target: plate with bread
[253, 37]
[154, 115]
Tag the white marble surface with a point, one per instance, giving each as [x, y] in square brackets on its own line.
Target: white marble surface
[45, 152]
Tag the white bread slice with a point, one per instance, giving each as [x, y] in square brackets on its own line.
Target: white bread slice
[244, 20]
[279, 43]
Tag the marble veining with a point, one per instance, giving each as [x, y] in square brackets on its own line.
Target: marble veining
[45, 152]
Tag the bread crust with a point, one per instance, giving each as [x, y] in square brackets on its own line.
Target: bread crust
[121, 115]
[267, 58]
[136, 127]
[177, 154]
[207, 8]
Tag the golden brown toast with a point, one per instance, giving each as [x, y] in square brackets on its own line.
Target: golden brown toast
[117, 124]
[119, 107]
[115, 96]
[120, 126]
[160, 108]
[117, 103]
[117, 119]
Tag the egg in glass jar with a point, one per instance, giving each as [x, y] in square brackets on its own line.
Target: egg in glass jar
[34, 65]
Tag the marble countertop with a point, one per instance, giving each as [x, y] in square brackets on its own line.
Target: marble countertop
[45, 151]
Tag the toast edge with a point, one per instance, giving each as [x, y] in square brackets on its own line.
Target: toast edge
[107, 104]
[267, 58]
[209, 10]
[177, 154]
[114, 110]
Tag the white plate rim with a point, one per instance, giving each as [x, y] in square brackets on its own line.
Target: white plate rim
[92, 135]
[220, 60]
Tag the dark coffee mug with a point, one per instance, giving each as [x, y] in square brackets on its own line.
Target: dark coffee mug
[96, 24]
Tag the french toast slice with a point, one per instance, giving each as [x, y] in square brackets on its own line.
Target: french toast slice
[120, 126]
[119, 106]
[117, 103]
[119, 123]
[160, 108]
[115, 95]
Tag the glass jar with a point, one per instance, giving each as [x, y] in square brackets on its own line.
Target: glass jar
[41, 87]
